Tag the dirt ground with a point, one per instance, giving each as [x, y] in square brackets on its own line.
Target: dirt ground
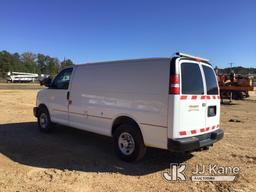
[7, 86]
[72, 160]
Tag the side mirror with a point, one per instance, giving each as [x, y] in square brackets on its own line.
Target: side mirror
[46, 82]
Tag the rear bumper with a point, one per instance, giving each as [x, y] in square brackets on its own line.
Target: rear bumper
[195, 143]
[35, 109]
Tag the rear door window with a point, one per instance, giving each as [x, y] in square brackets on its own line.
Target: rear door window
[191, 79]
[211, 82]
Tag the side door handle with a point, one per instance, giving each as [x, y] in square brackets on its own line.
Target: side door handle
[68, 98]
[68, 95]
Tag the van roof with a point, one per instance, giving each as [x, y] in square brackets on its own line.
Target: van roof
[129, 60]
[183, 56]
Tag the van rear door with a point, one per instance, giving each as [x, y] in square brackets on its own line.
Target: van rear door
[192, 100]
[212, 98]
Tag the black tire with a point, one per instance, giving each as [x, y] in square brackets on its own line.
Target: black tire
[138, 151]
[47, 125]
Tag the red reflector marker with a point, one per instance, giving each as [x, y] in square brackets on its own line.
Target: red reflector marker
[183, 97]
[194, 97]
[203, 97]
[183, 133]
[202, 130]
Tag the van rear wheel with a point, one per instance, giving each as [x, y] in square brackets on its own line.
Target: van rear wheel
[128, 143]
[44, 120]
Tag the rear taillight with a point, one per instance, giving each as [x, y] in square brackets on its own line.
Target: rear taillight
[174, 84]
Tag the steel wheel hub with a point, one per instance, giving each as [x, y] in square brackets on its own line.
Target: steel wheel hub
[43, 120]
[126, 143]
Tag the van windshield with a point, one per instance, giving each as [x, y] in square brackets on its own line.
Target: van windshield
[211, 82]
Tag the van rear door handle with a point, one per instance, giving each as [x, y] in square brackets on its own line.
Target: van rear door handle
[203, 104]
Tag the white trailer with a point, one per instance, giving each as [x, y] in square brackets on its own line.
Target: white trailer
[14, 77]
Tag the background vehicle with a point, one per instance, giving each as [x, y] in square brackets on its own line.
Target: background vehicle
[21, 77]
[235, 86]
[167, 103]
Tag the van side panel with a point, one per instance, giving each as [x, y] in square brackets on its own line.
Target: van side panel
[174, 116]
[154, 136]
[137, 89]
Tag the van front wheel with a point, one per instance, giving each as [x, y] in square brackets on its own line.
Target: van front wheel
[128, 143]
[43, 120]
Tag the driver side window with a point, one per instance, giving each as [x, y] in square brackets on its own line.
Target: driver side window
[61, 81]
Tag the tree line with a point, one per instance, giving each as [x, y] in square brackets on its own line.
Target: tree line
[31, 63]
[239, 70]
[45, 64]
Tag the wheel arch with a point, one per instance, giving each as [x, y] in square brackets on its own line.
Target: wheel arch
[42, 105]
[122, 119]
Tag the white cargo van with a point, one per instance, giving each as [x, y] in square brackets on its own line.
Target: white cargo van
[168, 103]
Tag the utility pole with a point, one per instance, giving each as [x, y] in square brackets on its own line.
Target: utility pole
[231, 66]
[64, 62]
